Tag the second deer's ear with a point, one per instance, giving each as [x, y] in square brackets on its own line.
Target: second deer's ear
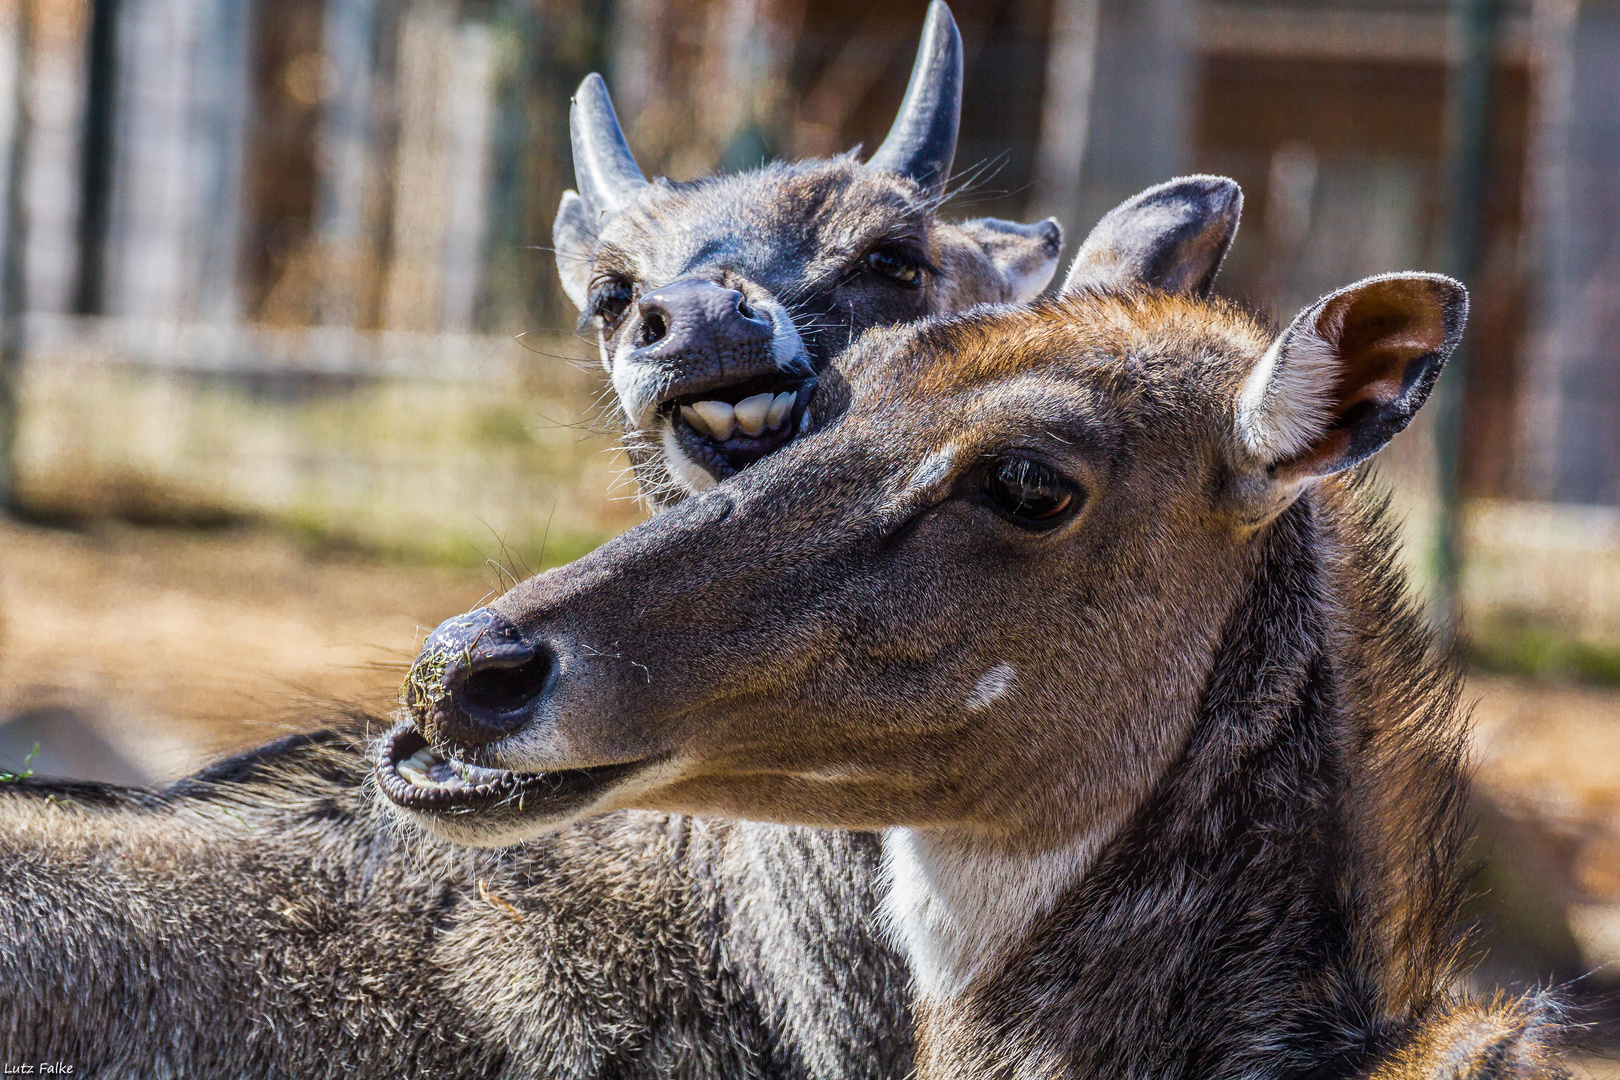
[1348, 374]
[1171, 237]
[1026, 256]
[572, 241]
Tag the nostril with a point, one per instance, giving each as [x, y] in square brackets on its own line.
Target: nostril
[742, 307]
[509, 688]
[653, 328]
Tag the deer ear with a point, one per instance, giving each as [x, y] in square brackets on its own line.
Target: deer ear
[1026, 256]
[1171, 237]
[1348, 374]
[572, 241]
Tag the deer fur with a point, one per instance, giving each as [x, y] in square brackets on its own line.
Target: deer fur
[1172, 786]
[269, 917]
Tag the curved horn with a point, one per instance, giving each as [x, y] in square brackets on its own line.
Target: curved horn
[604, 171]
[922, 141]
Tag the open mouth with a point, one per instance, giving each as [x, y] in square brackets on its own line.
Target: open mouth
[417, 777]
[726, 429]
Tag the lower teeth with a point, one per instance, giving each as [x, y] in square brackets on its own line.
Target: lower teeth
[417, 770]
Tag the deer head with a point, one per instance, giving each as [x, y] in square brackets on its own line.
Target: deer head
[717, 303]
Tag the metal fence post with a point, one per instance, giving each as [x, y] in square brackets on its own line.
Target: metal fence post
[1468, 109]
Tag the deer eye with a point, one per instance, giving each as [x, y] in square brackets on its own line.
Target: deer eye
[1030, 493]
[610, 300]
[897, 265]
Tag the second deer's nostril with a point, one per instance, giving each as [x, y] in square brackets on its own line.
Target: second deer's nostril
[653, 328]
[508, 688]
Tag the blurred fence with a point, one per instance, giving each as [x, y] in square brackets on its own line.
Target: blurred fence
[444, 448]
[277, 253]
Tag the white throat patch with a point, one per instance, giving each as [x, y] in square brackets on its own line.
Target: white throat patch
[956, 908]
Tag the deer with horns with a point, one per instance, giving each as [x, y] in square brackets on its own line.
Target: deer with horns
[718, 303]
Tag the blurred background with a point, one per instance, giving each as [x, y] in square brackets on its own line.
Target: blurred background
[286, 376]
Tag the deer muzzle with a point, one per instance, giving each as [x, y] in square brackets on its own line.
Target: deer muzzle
[476, 682]
[729, 377]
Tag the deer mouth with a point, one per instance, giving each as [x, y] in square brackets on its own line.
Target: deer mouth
[414, 776]
[726, 429]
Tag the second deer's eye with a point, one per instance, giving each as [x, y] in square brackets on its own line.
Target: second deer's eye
[1030, 493]
[896, 265]
[610, 300]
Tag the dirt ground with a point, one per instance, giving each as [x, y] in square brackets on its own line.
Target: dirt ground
[176, 647]
[180, 646]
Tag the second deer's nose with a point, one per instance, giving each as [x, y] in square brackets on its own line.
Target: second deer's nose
[696, 313]
[477, 680]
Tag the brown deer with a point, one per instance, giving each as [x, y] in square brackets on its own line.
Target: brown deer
[1088, 606]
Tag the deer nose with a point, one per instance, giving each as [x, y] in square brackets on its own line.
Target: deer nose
[477, 680]
[695, 315]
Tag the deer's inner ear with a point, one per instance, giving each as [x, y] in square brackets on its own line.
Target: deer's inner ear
[1349, 374]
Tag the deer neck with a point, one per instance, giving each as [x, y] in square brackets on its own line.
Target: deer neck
[962, 896]
[1240, 905]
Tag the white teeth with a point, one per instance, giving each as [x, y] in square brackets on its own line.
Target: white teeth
[751, 413]
[718, 417]
[781, 405]
[415, 768]
[414, 774]
[696, 421]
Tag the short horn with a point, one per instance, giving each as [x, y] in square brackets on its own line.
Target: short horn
[604, 171]
[923, 140]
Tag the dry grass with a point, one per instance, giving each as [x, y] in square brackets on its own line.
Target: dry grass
[416, 468]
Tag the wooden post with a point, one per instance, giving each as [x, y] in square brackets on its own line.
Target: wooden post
[13, 261]
[1071, 68]
[96, 157]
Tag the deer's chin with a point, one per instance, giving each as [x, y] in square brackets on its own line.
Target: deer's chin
[481, 806]
[725, 430]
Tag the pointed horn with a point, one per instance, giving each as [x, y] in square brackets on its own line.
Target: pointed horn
[922, 141]
[604, 171]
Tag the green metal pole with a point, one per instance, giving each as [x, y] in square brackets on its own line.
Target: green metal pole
[13, 266]
[1476, 25]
